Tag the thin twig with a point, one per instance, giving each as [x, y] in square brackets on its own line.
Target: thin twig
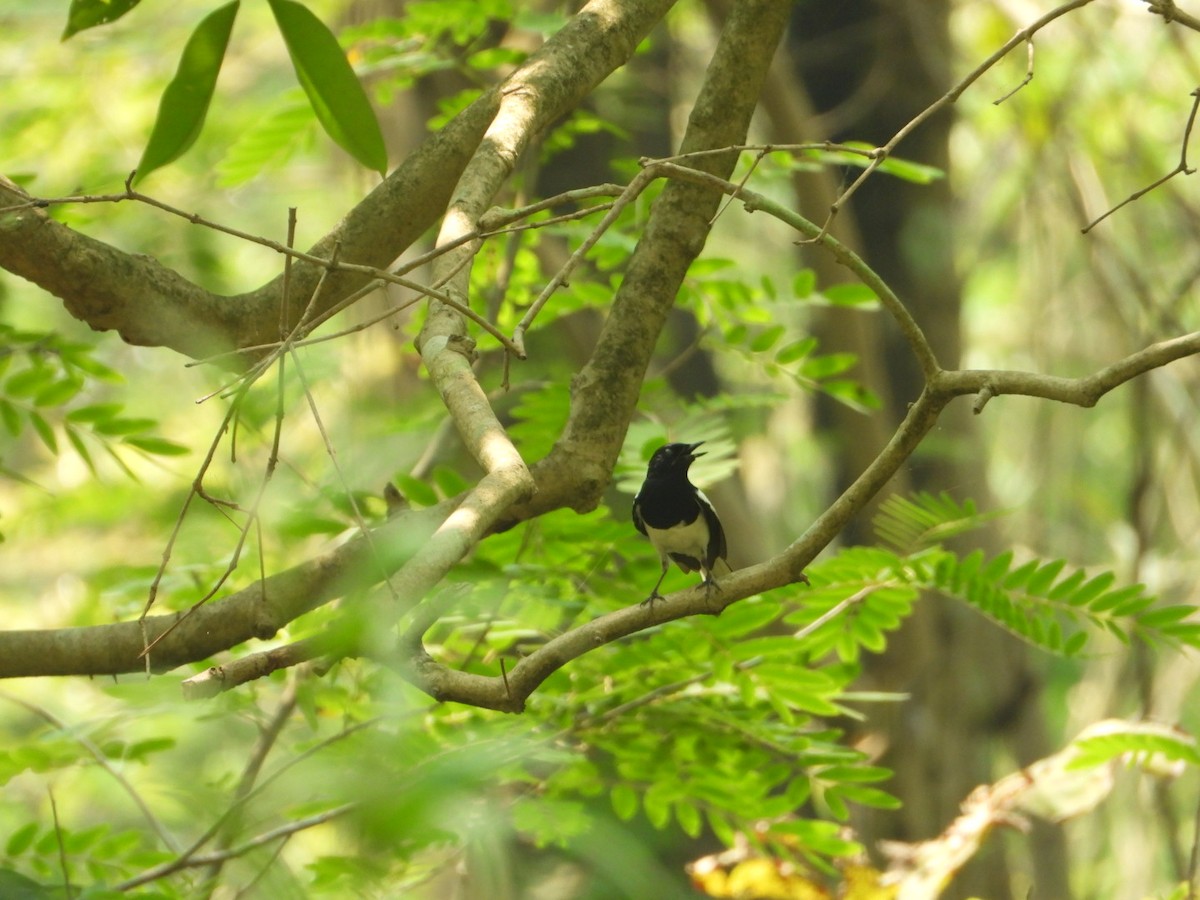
[880, 154]
[195, 490]
[62, 847]
[838, 608]
[207, 859]
[1181, 168]
[267, 738]
[185, 858]
[1193, 878]
[1171, 13]
[240, 392]
[628, 195]
[1028, 74]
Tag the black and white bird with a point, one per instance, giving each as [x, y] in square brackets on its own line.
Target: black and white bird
[679, 520]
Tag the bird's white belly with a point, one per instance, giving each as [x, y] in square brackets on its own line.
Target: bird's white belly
[690, 539]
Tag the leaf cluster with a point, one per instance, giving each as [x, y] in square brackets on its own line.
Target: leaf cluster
[43, 376]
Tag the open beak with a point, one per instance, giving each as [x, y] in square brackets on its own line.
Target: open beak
[692, 449]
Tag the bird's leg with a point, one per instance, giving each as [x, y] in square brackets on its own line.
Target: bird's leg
[711, 587]
[654, 594]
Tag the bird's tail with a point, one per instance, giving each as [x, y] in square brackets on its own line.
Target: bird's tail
[720, 568]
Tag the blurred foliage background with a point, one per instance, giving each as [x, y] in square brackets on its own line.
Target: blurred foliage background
[655, 750]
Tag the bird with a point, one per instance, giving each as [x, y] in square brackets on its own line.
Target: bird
[679, 520]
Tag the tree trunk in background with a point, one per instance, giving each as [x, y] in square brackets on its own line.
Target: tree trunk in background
[866, 67]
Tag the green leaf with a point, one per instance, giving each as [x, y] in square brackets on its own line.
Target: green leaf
[1142, 739]
[29, 381]
[156, 445]
[336, 95]
[415, 491]
[851, 293]
[904, 169]
[851, 393]
[817, 836]
[184, 103]
[1165, 616]
[624, 801]
[925, 520]
[269, 141]
[1019, 576]
[868, 796]
[449, 481]
[86, 14]
[12, 419]
[1044, 577]
[804, 283]
[44, 431]
[688, 817]
[818, 367]
[496, 56]
[789, 353]
[719, 823]
[96, 412]
[1092, 590]
[21, 839]
[767, 339]
[907, 170]
[121, 425]
[1074, 643]
[658, 806]
[58, 392]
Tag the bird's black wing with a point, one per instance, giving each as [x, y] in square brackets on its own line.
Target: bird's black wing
[716, 534]
[638, 522]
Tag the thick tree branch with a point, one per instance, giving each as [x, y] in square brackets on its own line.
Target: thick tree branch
[604, 394]
[1085, 391]
[257, 611]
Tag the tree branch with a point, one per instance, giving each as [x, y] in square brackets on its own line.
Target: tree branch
[257, 611]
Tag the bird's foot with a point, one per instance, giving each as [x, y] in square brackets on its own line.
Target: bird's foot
[654, 595]
[711, 587]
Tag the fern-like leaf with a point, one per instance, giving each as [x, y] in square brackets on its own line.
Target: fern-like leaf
[1037, 603]
[923, 520]
[1151, 746]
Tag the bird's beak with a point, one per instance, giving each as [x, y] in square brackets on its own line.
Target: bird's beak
[692, 449]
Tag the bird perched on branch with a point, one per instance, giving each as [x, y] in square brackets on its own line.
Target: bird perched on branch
[679, 520]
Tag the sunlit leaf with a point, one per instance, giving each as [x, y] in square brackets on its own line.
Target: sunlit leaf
[156, 445]
[851, 293]
[184, 104]
[44, 431]
[336, 95]
[85, 14]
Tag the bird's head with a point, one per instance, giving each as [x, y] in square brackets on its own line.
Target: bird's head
[672, 459]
